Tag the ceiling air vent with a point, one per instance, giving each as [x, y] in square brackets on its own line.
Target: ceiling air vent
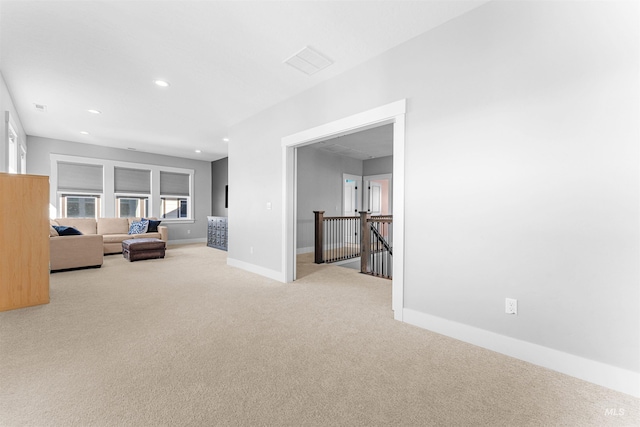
[308, 61]
[41, 107]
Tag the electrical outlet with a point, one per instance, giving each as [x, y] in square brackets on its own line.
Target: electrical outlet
[188, 231]
[511, 306]
[251, 249]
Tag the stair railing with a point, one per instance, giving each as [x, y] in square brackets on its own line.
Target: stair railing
[368, 237]
[336, 238]
[376, 249]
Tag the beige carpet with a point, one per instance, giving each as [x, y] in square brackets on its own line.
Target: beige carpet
[188, 340]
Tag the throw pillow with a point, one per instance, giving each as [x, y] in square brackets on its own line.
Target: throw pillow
[52, 232]
[67, 231]
[139, 227]
[153, 225]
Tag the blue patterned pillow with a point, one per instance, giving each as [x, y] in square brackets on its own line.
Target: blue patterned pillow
[139, 227]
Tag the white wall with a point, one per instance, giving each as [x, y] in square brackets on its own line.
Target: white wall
[521, 169]
[6, 104]
[39, 163]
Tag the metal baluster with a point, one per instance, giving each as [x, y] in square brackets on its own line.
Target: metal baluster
[332, 237]
[382, 255]
[378, 252]
[374, 267]
[334, 240]
[330, 240]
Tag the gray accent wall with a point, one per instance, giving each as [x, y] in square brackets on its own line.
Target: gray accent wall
[219, 180]
[521, 171]
[39, 162]
[320, 188]
[377, 166]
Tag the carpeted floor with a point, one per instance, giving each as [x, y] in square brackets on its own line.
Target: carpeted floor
[189, 341]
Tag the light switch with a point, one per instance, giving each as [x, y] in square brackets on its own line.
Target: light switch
[268, 206]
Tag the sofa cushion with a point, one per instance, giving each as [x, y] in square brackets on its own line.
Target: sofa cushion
[139, 227]
[115, 238]
[52, 231]
[113, 226]
[67, 231]
[75, 251]
[85, 225]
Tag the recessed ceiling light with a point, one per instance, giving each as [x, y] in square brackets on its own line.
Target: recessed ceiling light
[84, 132]
[131, 148]
[95, 111]
[225, 139]
[198, 151]
[161, 83]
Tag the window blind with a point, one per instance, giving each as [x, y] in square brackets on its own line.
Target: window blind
[78, 177]
[132, 181]
[174, 184]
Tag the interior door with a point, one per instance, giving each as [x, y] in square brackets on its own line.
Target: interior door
[352, 205]
[375, 198]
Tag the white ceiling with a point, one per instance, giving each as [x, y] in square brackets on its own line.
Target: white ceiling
[223, 59]
[363, 145]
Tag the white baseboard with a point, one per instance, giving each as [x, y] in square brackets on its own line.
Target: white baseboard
[252, 268]
[306, 250]
[186, 241]
[595, 372]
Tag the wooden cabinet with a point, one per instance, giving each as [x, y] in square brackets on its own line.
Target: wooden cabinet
[217, 230]
[24, 241]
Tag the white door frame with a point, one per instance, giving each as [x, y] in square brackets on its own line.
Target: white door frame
[389, 113]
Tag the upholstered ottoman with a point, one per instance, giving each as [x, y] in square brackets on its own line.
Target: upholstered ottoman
[139, 249]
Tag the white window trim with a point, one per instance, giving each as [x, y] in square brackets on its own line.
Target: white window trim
[108, 202]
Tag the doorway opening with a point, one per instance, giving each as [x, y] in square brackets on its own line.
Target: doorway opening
[393, 114]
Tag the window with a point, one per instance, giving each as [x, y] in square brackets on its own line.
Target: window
[174, 195]
[80, 190]
[23, 160]
[89, 187]
[79, 205]
[13, 150]
[173, 208]
[131, 206]
[132, 188]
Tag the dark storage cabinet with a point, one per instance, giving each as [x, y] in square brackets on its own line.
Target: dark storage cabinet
[217, 232]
